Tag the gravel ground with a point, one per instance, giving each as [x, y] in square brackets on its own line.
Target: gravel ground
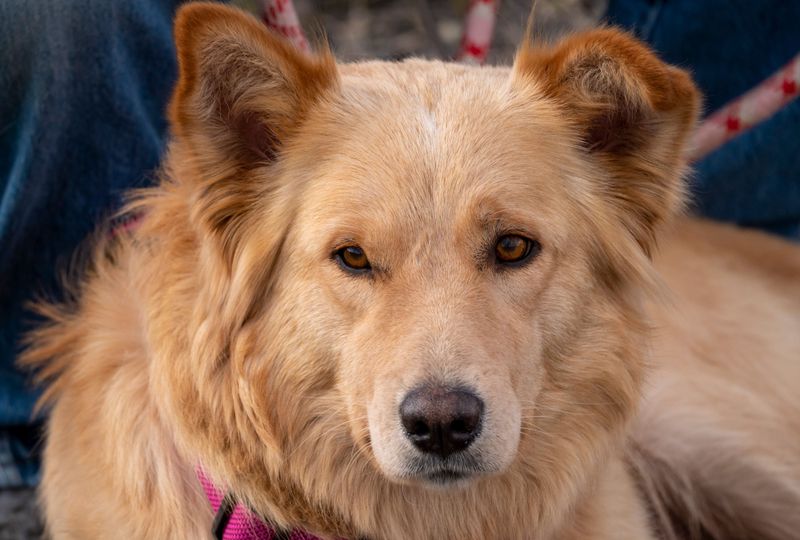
[19, 518]
[389, 29]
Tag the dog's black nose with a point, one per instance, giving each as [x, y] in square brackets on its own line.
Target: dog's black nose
[440, 420]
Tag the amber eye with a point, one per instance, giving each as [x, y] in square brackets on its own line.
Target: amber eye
[512, 248]
[352, 258]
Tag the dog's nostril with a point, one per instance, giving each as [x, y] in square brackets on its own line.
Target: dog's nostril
[462, 427]
[441, 420]
[420, 429]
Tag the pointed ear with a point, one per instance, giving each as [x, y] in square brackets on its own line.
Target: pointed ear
[242, 90]
[632, 113]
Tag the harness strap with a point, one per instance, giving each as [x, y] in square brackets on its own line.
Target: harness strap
[223, 517]
[234, 521]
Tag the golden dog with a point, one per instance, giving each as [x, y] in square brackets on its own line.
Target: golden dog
[425, 300]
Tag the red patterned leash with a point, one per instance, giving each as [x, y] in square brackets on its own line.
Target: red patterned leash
[281, 16]
[745, 112]
[478, 31]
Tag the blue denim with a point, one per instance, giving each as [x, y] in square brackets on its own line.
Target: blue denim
[730, 46]
[83, 88]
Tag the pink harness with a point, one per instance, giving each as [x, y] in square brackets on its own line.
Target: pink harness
[232, 521]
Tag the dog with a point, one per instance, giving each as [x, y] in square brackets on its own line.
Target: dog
[417, 299]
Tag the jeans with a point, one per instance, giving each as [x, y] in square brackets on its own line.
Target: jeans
[84, 85]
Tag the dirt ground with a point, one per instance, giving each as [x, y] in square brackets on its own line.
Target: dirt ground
[387, 29]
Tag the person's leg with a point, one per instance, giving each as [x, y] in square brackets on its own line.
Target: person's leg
[730, 46]
[754, 180]
[83, 89]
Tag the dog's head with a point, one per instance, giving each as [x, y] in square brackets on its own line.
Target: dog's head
[423, 272]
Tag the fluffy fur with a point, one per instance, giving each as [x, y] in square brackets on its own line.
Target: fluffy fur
[631, 391]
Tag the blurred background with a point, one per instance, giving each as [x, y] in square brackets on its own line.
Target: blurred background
[395, 29]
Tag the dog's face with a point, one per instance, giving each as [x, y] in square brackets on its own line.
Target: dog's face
[439, 263]
[433, 264]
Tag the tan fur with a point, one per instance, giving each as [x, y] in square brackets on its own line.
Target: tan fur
[222, 333]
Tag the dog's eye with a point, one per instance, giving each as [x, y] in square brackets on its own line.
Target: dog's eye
[352, 258]
[513, 249]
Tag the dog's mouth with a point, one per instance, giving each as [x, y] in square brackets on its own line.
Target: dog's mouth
[444, 473]
[447, 477]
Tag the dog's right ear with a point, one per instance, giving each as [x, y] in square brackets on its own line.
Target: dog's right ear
[242, 90]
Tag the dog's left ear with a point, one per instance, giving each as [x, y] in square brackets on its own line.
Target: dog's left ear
[632, 112]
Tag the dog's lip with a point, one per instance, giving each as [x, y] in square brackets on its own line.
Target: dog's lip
[446, 476]
[443, 476]
[456, 469]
